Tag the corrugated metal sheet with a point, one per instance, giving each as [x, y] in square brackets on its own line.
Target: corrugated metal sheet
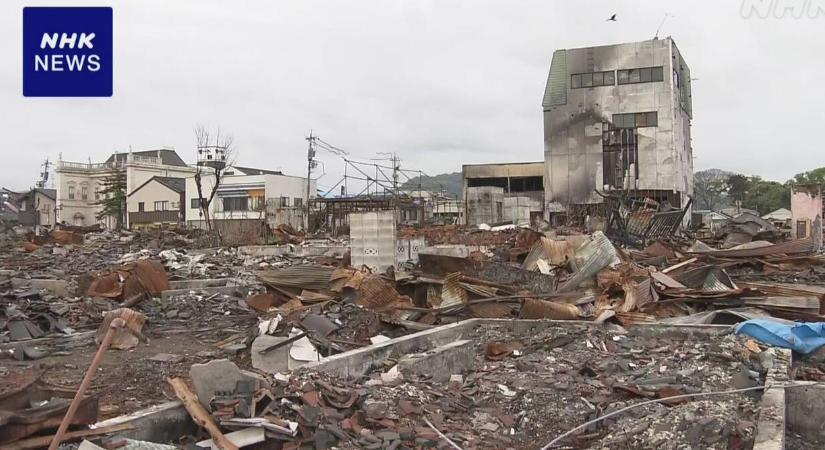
[599, 253]
[805, 245]
[667, 280]
[481, 291]
[789, 290]
[626, 318]
[532, 308]
[375, 292]
[452, 294]
[433, 295]
[536, 253]
[314, 278]
[638, 292]
[491, 310]
[555, 93]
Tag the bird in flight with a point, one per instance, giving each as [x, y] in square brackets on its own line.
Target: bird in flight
[612, 18]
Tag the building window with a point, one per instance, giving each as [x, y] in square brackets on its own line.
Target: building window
[592, 79]
[162, 205]
[84, 192]
[257, 203]
[141, 206]
[97, 192]
[195, 203]
[284, 201]
[636, 120]
[236, 203]
[71, 192]
[643, 75]
[298, 201]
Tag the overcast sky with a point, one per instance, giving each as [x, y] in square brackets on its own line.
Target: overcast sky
[441, 83]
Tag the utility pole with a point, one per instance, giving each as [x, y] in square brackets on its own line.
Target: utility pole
[310, 165]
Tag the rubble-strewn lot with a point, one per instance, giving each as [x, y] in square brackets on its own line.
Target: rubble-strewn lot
[562, 376]
[238, 327]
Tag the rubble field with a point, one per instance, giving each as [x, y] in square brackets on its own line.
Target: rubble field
[240, 335]
[524, 389]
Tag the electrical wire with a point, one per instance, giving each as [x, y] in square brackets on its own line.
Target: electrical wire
[675, 397]
[442, 434]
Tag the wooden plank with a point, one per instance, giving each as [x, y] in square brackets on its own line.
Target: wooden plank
[681, 264]
[199, 414]
[44, 441]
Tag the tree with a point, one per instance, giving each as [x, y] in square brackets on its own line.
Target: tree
[737, 186]
[755, 193]
[113, 196]
[812, 176]
[710, 190]
[215, 155]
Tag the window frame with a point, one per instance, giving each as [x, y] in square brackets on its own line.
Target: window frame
[579, 80]
[71, 191]
[195, 203]
[644, 119]
[651, 74]
[141, 206]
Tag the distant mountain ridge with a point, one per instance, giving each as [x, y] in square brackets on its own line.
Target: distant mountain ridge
[450, 182]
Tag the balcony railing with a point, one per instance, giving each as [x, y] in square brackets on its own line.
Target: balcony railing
[95, 167]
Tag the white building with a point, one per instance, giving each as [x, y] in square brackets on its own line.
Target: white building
[79, 184]
[250, 194]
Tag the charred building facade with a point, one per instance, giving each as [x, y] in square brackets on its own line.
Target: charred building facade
[617, 118]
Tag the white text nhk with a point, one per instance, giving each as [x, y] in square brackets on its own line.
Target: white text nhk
[72, 63]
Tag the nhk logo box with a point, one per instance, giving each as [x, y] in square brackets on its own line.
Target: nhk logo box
[67, 52]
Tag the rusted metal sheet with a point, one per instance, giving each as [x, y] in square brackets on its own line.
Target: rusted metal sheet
[788, 290]
[315, 278]
[375, 292]
[481, 291]
[598, 253]
[491, 310]
[638, 293]
[137, 277]
[626, 318]
[452, 294]
[806, 245]
[532, 308]
[18, 418]
[667, 281]
[433, 295]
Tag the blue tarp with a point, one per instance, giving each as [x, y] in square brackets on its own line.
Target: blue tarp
[802, 337]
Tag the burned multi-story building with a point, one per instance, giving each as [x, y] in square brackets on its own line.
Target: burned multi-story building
[617, 118]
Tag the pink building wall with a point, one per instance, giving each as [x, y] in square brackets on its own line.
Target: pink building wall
[806, 206]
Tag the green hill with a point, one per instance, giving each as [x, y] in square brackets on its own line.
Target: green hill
[450, 182]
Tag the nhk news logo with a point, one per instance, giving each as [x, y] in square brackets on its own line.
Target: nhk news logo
[67, 52]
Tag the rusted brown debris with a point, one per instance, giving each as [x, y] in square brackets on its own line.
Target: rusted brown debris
[293, 311]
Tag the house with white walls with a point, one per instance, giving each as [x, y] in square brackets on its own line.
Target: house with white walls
[250, 194]
[79, 184]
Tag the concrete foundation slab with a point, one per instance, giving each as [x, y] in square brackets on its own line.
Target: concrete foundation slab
[441, 362]
[274, 361]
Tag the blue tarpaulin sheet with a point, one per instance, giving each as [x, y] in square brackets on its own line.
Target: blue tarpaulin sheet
[802, 337]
